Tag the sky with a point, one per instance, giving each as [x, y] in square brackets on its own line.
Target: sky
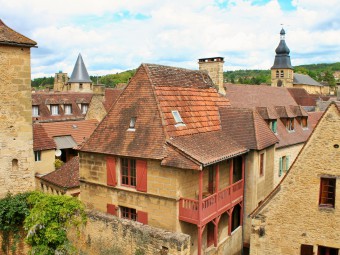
[118, 35]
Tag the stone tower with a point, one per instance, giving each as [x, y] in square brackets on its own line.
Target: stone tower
[80, 80]
[60, 81]
[214, 67]
[282, 70]
[16, 136]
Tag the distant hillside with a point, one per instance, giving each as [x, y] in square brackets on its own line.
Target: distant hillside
[319, 72]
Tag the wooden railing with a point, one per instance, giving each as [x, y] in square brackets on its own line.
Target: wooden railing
[212, 206]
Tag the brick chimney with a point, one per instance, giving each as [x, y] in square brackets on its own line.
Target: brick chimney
[214, 67]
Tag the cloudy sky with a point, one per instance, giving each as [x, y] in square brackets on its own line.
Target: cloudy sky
[117, 35]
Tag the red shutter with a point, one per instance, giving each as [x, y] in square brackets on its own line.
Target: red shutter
[142, 217]
[142, 183]
[111, 209]
[111, 171]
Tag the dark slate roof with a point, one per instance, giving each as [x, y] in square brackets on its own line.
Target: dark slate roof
[305, 80]
[79, 73]
[282, 58]
[10, 37]
[65, 177]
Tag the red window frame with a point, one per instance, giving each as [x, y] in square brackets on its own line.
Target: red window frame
[128, 213]
[261, 164]
[327, 192]
[128, 172]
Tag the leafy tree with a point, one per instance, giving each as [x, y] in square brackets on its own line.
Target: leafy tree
[112, 80]
[42, 82]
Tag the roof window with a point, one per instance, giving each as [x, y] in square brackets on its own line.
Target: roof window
[132, 123]
[178, 118]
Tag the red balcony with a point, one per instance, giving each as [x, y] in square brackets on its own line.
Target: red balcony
[212, 206]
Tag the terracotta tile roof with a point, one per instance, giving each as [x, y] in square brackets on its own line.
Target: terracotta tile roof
[111, 96]
[302, 97]
[208, 148]
[42, 99]
[247, 127]
[10, 37]
[41, 141]
[151, 95]
[65, 177]
[267, 113]
[79, 130]
[284, 112]
[313, 118]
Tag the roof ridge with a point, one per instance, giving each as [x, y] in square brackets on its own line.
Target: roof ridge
[30, 41]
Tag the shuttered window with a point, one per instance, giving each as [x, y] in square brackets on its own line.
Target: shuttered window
[128, 172]
[280, 166]
[111, 171]
[142, 217]
[142, 184]
[327, 192]
[287, 163]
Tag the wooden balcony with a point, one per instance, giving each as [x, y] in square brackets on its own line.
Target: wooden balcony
[211, 206]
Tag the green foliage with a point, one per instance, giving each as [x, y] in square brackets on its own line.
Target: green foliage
[49, 219]
[58, 163]
[13, 211]
[248, 76]
[42, 82]
[111, 80]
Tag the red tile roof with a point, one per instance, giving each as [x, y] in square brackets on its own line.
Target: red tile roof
[247, 127]
[41, 141]
[302, 97]
[65, 177]
[10, 37]
[42, 99]
[313, 118]
[111, 96]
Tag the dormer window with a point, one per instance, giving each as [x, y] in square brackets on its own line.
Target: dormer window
[54, 109]
[132, 124]
[290, 124]
[178, 118]
[304, 122]
[68, 109]
[273, 125]
[35, 110]
[84, 108]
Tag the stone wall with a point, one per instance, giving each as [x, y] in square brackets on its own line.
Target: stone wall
[292, 216]
[16, 136]
[105, 234]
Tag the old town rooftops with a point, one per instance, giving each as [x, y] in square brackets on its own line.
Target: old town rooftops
[10, 37]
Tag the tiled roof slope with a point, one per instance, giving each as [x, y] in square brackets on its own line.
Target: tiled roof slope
[111, 95]
[302, 97]
[313, 118]
[10, 37]
[79, 130]
[305, 79]
[247, 128]
[42, 99]
[66, 176]
[41, 141]
[151, 95]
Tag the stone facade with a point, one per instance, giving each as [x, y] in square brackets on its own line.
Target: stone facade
[60, 81]
[46, 164]
[16, 136]
[282, 77]
[292, 215]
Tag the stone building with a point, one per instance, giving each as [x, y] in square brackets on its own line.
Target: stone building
[301, 215]
[16, 139]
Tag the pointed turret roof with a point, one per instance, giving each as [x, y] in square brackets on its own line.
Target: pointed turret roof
[79, 73]
[282, 58]
[10, 37]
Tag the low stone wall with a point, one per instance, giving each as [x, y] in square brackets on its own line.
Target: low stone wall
[105, 234]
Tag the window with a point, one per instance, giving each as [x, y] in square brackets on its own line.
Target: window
[282, 74]
[178, 118]
[277, 73]
[80, 86]
[15, 165]
[128, 172]
[35, 110]
[68, 109]
[84, 108]
[54, 109]
[304, 122]
[37, 155]
[261, 164]
[322, 250]
[132, 123]
[290, 124]
[283, 164]
[210, 234]
[236, 218]
[128, 213]
[273, 126]
[327, 192]
[306, 249]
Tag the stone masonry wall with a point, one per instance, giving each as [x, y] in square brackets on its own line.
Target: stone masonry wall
[16, 136]
[292, 216]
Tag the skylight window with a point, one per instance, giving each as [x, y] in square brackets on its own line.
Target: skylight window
[178, 118]
[132, 123]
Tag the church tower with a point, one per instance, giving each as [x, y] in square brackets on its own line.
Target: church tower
[80, 80]
[282, 70]
[16, 135]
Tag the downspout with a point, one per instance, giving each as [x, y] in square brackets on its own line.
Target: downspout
[244, 201]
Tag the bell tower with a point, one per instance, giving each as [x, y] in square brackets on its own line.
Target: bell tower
[282, 71]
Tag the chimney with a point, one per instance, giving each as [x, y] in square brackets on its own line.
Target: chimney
[214, 67]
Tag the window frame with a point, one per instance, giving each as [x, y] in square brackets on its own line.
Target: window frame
[128, 178]
[84, 106]
[132, 124]
[261, 164]
[290, 124]
[37, 156]
[54, 109]
[35, 110]
[177, 117]
[128, 213]
[325, 181]
[68, 106]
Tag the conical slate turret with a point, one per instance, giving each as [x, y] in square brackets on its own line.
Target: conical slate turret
[79, 73]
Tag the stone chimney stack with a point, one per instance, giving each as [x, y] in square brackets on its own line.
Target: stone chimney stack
[60, 81]
[214, 67]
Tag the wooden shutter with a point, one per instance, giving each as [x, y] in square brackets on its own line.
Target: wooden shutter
[306, 249]
[287, 163]
[111, 171]
[280, 167]
[274, 127]
[142, 217]
[142, 183]
[111, 209]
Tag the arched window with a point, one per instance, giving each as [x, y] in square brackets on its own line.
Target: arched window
[15, 165]
[279, 83]
[277, 73]
[282, 74]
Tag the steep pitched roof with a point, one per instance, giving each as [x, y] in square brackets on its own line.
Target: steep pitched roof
[41, 141]
[111, 95]
[10, 37]
[305, 80]
[79, 73]
[151, 96]
[66, 176]
[302, 97]
[247, 128]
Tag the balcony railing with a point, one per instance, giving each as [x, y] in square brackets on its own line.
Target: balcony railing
[212, 206]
